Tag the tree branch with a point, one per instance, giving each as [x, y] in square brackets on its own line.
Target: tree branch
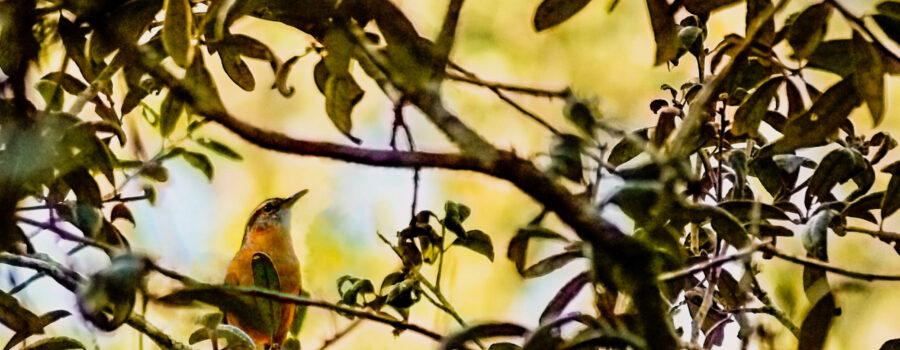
[72, 280]
[66, 235]
[829, 268]
[714, 262]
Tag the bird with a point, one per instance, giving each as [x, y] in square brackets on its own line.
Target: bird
[268, 233]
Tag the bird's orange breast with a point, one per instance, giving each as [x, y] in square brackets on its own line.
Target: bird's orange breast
[280, 250]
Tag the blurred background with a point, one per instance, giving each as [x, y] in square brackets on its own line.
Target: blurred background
[196, 225]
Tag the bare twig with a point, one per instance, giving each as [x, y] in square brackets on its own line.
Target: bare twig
[770, 310]
[883, 235]
[742, 254]
[470, 78]
[829, 268]
[66, 235]
[340, 334]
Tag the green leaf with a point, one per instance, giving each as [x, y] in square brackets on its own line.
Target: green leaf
[51, 93]
[458, 340]
[22, 321]
[552, 12]
[808, 29]
[743, 210]
[629, 147]
[237, 69]
[169, 113]
[820, 122]
[869, 75]
[726, 225]
[478, 242]
[55, 343]
[200, 162]
[755, 9]
[85, 187]
[299, 315]
[220, 148]
[838, 166]
[176, 32]
[665, 31]
[341, 95]
[266, 276]
[582, 114]
[832, 56]
[749, 115]
[518, 245]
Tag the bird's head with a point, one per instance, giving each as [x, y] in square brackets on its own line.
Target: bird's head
[272, 216]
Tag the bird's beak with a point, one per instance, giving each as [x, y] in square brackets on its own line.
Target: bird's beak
[293, 199]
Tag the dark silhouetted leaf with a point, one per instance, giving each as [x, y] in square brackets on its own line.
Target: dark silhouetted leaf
[664, 30]
[703, 7]
[753, 110]
[563, 297]
[55, 343]
[832, 56]
[565, 156]
[518, 245]
[582, 114]
[551, 264]
[478, 242]
[743, 210]
[282, 74]
[820, 122]
[235, 337]
[237, 69]
[869, 75]
[814, 329]
[891, 201]
[121, 211]
[457, 341]
[552, 12]
[755, 10]
[808, 29]
[893, 344]
[176, 33]
[838, 166]
[890, 24]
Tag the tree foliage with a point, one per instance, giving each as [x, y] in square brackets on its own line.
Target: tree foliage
[749, 116]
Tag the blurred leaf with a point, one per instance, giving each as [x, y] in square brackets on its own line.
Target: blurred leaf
[518, 245]
[808, 29]
[85, 187]
[664, 30]
[291, 344]
[815, 235]
[563, 297]
[815, 326]
[755, 10]
[341, 95]
[743, 210]
[299, 315]
[604, 338]
[358, 287]
[220, 148]
[552, 12]
[200, 82]
[753, 110]
[113, 290]
[121, 211]
[628, 148]
[581, 114]
[176, 32]
[890, 24]
[504, 346]
[565, 156]
[459, 339]
[155, 171]
[893, 344]
[226, 298]
[51, 93]
[55, 343]
[266, 276]
[22, 321]
[169, 113]
[869, 75]
[726, 225]
[820, 122]
[404, 294]
[200, 162]
[478, 242]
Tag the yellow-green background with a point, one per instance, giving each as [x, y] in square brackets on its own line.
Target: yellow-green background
[196, 225]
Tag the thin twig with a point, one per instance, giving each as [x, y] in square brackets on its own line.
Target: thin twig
[470, 79]
[770, 310]
[829, 268]
[340, 334]
[742, 254]
[880, 234]
[102, 79]
[764, 298]
[113, 199]
[66, 235]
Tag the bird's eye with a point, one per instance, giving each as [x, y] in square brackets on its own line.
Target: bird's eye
[269, 207]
